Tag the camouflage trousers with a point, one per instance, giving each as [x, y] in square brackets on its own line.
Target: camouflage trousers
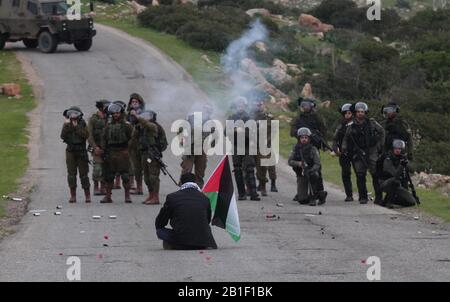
[361, 173]
[261, 171]
[151, 173]
[244, 168]
[77, 162]
[196, 163]
[117, 163]
[136, 164]
[396, 194]
[303, 190]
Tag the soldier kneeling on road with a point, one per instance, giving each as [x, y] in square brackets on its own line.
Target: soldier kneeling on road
[395, 177]
[305, 161]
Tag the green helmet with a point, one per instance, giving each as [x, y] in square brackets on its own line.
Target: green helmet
[122, 104]
[148, 115]
[303, 132]
[73, 111]
[115, 108]
[361, 106]
[398, 144]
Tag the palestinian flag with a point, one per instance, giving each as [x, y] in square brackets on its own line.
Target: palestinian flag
[220, 191]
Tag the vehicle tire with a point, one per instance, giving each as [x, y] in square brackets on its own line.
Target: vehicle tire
[47, 42]
[30, 43]
[2, 41]
[83, 45]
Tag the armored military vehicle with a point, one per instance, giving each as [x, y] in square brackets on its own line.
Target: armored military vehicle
[44, 24]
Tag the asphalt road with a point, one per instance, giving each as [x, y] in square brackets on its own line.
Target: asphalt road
[301, 246]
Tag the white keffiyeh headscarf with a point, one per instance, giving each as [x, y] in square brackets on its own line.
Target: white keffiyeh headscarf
[190, 185]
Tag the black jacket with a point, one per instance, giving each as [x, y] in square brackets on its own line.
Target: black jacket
[189, 212]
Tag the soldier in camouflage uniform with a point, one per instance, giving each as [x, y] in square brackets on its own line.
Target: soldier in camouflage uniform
[260, 114]
[146, 134]
[136, 106]
[197, 162]
[305, 161]
[394, 177]
[116, 136]
[345, 159]
[396, 128]
[364, 139]
[243, 164]
[75, 133]
[309, 118]
[96, 125]
[123, 107]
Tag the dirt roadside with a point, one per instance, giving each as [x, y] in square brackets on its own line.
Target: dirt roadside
[15, 210]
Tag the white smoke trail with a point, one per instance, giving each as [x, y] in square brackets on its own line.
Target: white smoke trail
[236, 52]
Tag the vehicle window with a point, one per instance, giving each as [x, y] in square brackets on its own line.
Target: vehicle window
[61, 8]
[16, 3]
[32, 7]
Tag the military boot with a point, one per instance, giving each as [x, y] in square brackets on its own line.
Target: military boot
[87, 195]
[132, 183]
[138, 189]
[73, 195]
[150, 197]
[102, 188]
[273, 186]
[322, 197]
[155, 199]
[263, 189]
[107, 198]
[97, 191]
[251, 184]
[127, 194]
[240, 184]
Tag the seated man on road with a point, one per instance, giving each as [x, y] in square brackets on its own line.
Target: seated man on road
[189, 213]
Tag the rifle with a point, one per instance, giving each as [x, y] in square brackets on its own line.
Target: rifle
[360, 152]
[411, 184]
[306, 174]
[317, 137]
[155, 155]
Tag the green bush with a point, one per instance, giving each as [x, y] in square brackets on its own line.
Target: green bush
[245, 5]
[344, 38]
[205, 35]
[403, 4]
[432, 157]
[210, 28]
